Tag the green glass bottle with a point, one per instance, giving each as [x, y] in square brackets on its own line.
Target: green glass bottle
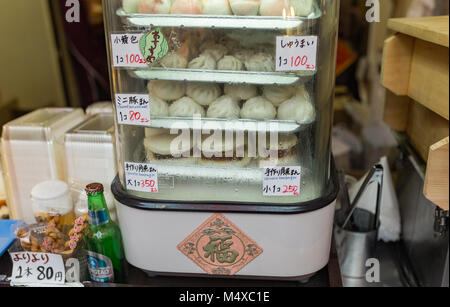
[106, 256]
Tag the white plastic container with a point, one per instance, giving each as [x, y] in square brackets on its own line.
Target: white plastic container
[33, 152]
[102, 107]
[90, 157]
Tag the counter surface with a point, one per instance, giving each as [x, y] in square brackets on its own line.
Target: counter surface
[329, 276]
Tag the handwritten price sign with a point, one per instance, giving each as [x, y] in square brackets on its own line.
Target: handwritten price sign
[133, 109]
[141, 177]
[126, 50]
[296, 53]
[282, 181]
[32, 268]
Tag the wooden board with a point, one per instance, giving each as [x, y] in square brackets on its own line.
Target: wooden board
[396, 63]
[396, 111]
[436, 178]
[418, 69]
[431, 29]
[425, 128]
[429, 81]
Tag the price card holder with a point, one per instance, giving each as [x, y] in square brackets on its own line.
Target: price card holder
[141, 177]
[37, 268]
[282, 181]
[296, 53]
[126, 50]
[133, 109]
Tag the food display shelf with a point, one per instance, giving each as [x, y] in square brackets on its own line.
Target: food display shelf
[221, 76]
[244, 125]
[219, 21]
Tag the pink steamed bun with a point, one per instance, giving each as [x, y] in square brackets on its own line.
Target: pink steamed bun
[154, 6]
[186, 7]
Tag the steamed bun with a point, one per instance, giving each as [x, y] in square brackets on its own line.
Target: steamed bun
[154, 6]
[241, 91]
[130, 6]
[204, 61]
[230, 63]
[166, 90]
[297, 108]
[185, 7]
[174, 60]
[217, 51]
[216, 7]
[224, 107]
[258, 108]
[245, 7]
[243, 55]
[186, 107]
[275, 8]
[203, 93]
[260, 62]
[277, 94]
[158, 107]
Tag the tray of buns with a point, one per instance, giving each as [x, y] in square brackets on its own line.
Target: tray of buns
[217, 76]
[220, 21]
[196, 105]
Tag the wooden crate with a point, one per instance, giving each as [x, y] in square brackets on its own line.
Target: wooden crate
[416, 73]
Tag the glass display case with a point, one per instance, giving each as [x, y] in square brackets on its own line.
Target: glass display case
[226, 69]
[214, 96]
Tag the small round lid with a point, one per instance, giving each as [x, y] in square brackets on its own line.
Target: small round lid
[49, 190]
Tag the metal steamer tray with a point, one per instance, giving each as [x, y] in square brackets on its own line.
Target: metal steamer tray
[236, 26]
[221, 76]
[237, 125]
[274, 23]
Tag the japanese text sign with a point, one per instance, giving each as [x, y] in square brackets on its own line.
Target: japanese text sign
[41, 268]
[296, 53]
[282, 181]
[133, 109]
[141, 177]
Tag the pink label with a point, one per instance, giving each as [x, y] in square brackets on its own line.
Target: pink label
[219, 247]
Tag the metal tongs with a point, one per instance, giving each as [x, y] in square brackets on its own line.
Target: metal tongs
[375, 176]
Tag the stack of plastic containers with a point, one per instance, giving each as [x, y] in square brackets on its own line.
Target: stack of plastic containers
[90, 157]
[33, 151]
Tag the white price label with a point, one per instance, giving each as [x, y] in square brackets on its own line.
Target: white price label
[296, 53]
[37, 268]
[133, 109]
[282, 181]
[141, 177]
[126, 51]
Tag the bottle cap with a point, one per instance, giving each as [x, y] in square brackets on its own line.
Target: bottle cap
[94, 189]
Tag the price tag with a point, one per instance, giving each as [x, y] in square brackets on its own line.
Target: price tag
[133, 109]
[296, 53]
[126, 50]
[282, 181]
[141, 177]
[37, 268]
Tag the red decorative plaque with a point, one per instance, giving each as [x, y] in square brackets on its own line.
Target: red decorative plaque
[219, 247]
